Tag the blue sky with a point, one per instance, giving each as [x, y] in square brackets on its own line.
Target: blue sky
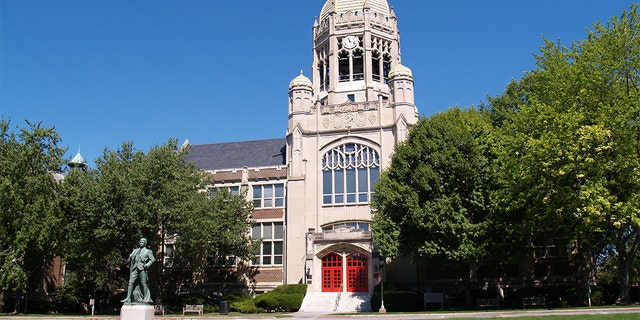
[105, 72]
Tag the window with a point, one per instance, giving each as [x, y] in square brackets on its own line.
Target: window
[351, 62]
[343, 66]
[386, 67]
[323, 71]
[376, 65]
[358, 64]
[356, 225]
[271, 248]
[169, 253]
[224, 261]
[268, 196]
[351, 97]
[235, 190]
[349, 172]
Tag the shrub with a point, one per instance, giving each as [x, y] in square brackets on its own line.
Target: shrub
[236, 296]
[244, 306]
[285, 298]
[268, 302]
[292, 289]
[398, 300]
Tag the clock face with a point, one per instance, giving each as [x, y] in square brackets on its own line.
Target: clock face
[350, 42]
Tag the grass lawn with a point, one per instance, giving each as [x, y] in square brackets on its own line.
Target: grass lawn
[627, 316]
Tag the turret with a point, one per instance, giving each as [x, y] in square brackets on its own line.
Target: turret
[300, 94]
[78, 162]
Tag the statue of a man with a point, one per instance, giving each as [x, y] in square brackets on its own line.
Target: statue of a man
[139, 261]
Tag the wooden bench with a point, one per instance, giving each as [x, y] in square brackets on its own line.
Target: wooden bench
[199, 308]
[159, 309]
[433, 298]
[488, 303]
[533, 301]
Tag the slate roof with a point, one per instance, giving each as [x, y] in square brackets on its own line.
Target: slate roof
[234, 155]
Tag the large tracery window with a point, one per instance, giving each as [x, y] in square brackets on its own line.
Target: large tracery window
[349, 172]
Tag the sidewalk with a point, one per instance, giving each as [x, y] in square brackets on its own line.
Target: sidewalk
[386, 316]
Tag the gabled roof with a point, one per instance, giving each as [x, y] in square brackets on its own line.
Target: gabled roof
[235, 155]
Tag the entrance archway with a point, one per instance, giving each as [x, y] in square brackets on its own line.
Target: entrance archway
[357, 273]
[332, 273]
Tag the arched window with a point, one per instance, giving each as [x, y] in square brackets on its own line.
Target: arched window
[348, 174]
[386, 66]
[323, 71]
[343, 66]
[358, 64]
[376, 65]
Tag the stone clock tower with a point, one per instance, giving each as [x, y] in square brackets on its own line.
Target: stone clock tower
[343, 126]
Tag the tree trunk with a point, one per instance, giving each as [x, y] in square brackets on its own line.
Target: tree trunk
[467, 285]
[586, 270]
[627, 246]
[624, 263]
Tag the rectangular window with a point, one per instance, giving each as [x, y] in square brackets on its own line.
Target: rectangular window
[338, 188]
[267, 231]
[374, 175]
[234, 190]
[327, 183]
[351, 185]
[268, 196]
[271, 248]
[278, 198]
[277, 252]
[363, 185]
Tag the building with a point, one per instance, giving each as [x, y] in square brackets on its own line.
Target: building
[311, 189]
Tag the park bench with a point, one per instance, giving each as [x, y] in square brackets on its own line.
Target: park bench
[533, 301]
[488, 303]
[199, 308]
[433, 298]
[159, 309]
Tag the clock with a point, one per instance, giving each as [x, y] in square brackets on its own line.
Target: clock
[350, 42]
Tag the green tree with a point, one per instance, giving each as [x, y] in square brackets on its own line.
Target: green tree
[573, 146]
[433, 203]
[30, 218]
[157, 195]
[214, 233]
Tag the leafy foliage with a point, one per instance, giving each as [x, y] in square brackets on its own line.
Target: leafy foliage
[433, 203]
[572, 145]
[30, 218]
[156, 195]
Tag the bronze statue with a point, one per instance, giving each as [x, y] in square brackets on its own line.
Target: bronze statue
[139, 261]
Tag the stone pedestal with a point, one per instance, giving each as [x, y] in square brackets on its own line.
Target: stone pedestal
[136, 312]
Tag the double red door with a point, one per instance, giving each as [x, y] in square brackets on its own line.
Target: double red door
[332, 273]
[357, 273]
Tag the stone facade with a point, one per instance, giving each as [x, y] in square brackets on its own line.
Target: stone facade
[313, 188]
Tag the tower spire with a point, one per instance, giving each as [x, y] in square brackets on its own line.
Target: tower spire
[78, 162]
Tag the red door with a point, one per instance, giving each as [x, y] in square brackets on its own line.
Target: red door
[357, 273]
[331, 273]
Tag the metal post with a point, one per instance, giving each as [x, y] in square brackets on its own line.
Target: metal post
[382, 309]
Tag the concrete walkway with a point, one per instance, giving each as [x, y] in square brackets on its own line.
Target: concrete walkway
[387, 316]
